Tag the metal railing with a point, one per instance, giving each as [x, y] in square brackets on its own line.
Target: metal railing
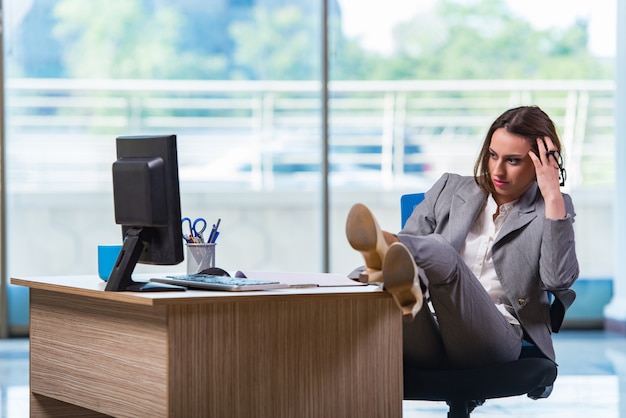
[266, 135]
[386, 138]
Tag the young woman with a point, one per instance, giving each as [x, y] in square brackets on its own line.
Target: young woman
[484, 250]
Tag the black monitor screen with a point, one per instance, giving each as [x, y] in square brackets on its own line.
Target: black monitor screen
[147, 205]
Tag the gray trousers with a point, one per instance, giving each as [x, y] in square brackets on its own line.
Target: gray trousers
[468, 331]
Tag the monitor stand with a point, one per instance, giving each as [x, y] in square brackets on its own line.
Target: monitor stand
[121, 280]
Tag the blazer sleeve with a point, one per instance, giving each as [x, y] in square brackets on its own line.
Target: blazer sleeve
[558, 265]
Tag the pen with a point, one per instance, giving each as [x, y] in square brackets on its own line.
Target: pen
[214, 233]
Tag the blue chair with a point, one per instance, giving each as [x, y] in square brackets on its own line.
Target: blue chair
[407, 204]
[463, 390]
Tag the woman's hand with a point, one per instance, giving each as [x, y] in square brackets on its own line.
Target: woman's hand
[547, 172]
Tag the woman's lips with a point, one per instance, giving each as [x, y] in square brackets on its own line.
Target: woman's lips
[499, 183]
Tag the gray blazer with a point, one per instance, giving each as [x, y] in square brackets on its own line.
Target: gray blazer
[531, 254]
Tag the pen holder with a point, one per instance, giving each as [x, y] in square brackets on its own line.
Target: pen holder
[200, 256]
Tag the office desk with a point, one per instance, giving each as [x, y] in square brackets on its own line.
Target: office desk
[317, 352]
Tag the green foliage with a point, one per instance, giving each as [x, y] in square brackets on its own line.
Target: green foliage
[279, 44]
[478, 39]
[127, 40]
[348, 60]
[483, 40]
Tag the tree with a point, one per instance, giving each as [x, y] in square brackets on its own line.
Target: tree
[280, 39]
[278, 44]
[484, 40]
[130, 40]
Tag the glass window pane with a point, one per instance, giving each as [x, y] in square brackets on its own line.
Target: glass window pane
[415, 87]
[237, 82]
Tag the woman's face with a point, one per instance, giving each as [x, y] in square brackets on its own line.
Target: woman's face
[510, 168]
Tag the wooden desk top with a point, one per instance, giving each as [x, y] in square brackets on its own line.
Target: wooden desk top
[92, 286]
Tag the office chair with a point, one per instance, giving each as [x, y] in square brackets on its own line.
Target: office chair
[463, 390]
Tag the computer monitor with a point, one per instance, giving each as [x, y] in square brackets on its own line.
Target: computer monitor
[146, 198]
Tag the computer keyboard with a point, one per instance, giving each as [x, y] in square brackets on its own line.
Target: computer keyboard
[209, 282]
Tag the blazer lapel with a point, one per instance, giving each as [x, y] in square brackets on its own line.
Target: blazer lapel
[466, 205]
[524, 212]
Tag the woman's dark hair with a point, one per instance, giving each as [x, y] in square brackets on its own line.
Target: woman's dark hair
[529, 122]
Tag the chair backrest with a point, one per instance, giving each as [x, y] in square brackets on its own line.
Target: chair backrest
[407, 204]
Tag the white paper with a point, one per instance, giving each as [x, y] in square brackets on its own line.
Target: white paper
[302, 279]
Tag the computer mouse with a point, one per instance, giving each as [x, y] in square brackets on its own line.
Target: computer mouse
[215, 271]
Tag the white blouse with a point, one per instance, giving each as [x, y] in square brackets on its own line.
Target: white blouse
[476, 253]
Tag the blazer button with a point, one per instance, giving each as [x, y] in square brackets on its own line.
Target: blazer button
[521, 302]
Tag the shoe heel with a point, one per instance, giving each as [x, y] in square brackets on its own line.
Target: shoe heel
[408, 301]
[371, 276]
[401, 281]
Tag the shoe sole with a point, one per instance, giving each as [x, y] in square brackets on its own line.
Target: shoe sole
[365, 236]
[399, 277]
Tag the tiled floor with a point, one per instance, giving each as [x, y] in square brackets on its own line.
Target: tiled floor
[592, 367]
[13, 378]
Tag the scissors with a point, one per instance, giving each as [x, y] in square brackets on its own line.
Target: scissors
[196, 228]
